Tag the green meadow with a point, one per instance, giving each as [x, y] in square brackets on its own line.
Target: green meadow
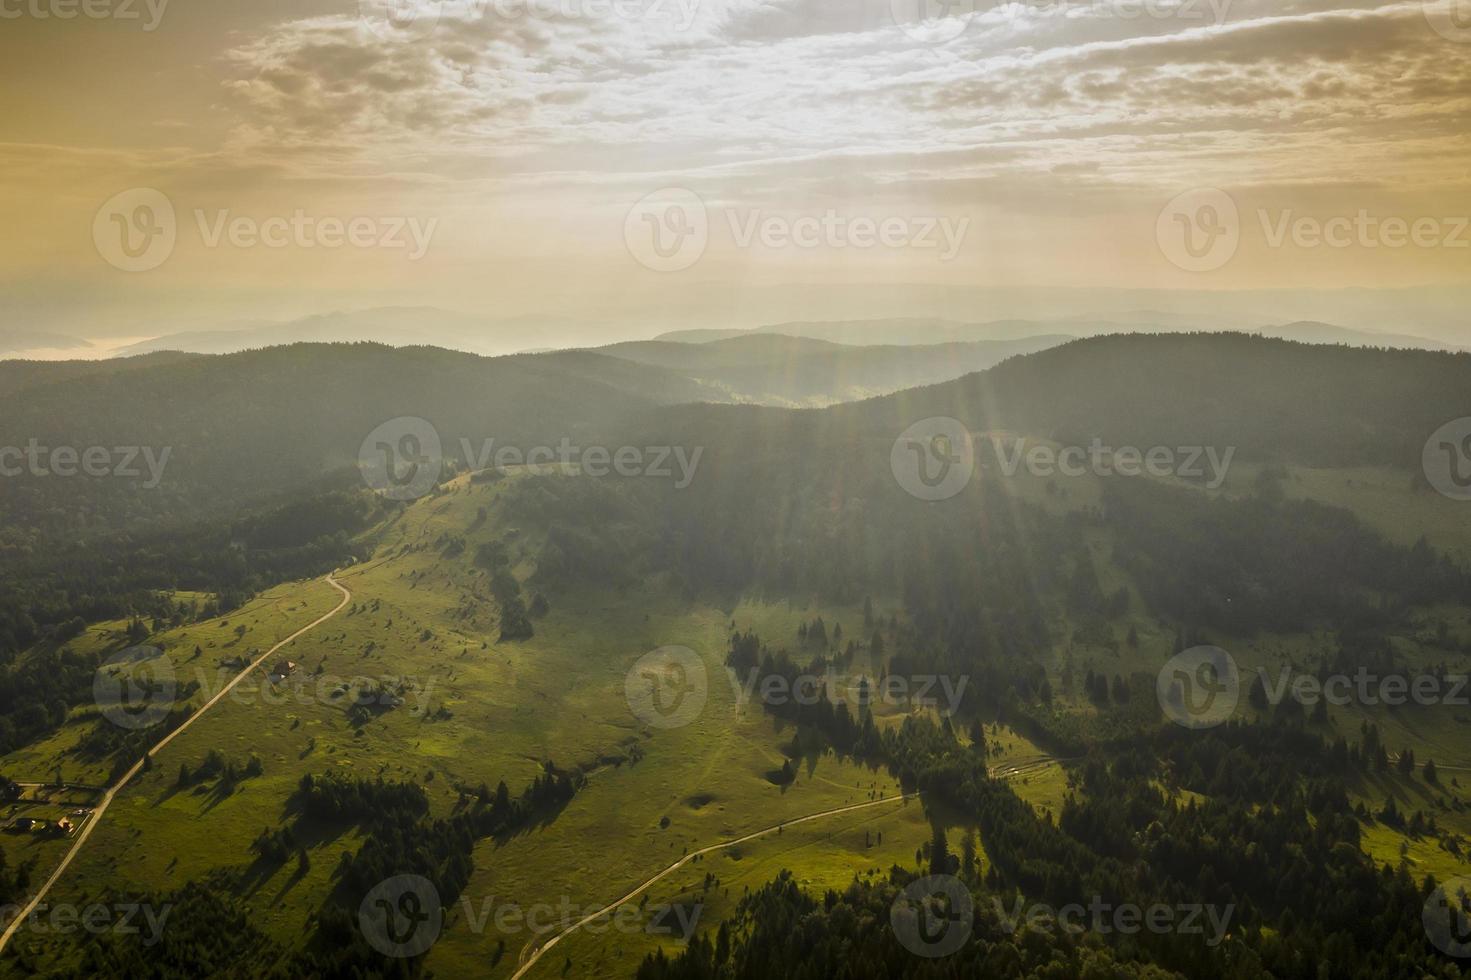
[471, 709]
[475, 710]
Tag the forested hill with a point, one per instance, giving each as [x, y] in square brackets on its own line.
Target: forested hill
[1273, 399]
[19, 375]
[244, 425]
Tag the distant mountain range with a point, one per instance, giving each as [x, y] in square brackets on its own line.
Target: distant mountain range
[775, 369]
[1311, 332]
[14, 340]
[242, 426]
[430, 326]
[918, 331]
[394, 326]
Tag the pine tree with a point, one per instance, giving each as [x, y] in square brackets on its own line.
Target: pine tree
[939, 853]
[978, 738]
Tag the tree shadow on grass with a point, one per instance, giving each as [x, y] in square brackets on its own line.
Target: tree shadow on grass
[308, 835]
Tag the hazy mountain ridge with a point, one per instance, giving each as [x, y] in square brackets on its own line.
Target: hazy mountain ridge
[15, 340]
[17, 375]
[926, 331]
[243, 425]
[803, 371]
[1266, 397]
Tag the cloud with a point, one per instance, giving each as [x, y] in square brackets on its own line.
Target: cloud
[757, 82]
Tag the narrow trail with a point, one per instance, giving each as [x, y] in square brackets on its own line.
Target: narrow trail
[529, 961]
[107, 797]
[529, 957]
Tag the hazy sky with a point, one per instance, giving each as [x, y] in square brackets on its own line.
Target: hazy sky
[491, 155]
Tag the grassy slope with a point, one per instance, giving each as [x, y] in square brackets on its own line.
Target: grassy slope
[513, 706]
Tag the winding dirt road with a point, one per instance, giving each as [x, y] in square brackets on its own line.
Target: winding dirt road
[529, 958]
[527, 962]
[107, 797]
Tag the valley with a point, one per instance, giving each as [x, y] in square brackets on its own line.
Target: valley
[468, 658]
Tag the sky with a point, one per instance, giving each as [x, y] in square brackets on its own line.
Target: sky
[196, 164]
